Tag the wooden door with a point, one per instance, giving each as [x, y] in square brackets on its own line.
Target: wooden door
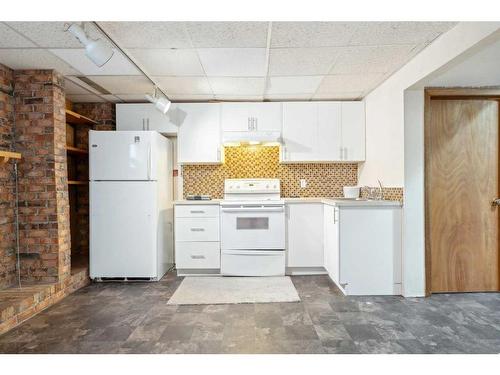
[462, 182]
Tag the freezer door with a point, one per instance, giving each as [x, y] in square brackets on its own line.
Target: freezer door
[123, 227]
[120, 156]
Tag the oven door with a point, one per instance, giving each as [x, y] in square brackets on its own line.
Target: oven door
[253, 227]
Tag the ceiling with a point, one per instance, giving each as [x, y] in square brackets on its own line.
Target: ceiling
[202, 61]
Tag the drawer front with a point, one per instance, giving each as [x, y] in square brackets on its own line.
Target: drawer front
[197, 255]
[201, 210]
[197, 229]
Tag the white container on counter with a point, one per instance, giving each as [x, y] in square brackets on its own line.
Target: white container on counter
[351, 192]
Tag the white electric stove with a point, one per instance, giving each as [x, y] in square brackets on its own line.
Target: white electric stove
[253, 228]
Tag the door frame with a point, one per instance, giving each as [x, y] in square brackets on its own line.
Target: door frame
[437, 93]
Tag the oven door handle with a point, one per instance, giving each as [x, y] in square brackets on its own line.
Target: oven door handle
[253, 209]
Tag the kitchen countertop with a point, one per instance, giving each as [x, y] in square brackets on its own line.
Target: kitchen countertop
[330, 201]
[186, 202]
[344, 202]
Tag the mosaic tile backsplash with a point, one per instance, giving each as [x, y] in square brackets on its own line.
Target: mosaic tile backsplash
[323, 180]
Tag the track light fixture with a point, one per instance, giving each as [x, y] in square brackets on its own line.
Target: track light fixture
[161, 103]
[96, 50]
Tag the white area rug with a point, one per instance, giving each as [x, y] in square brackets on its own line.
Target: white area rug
[219, 290]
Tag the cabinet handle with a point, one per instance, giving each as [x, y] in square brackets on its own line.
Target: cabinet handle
[147, 122]
[345, 153]
[143, 124]
[335, 216]
[197, 257]
[249, 126]
[197, 212]
[218, 154]
[197, 229]
[256, 123]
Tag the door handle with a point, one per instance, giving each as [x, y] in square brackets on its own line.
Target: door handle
[495, 202]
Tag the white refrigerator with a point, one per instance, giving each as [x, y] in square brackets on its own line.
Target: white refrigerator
[131, 211]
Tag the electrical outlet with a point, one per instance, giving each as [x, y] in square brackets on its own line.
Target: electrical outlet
[303, 183]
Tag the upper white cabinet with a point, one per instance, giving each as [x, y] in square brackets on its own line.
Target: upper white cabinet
[353, 131]
[241, 117]
[144, 116]
[199, 133]
[305, 235]
[323, 132]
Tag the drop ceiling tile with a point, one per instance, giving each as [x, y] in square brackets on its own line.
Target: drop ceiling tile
[148, 34]
[190, 98]
[117, 85]
[339, 96]
[233, 62]
[34, 59]
[12, 39]
[380, 33]
[168, 62]
[302, 61]
[184, 85]
[372, 59]
[293, 85]
[53, 34]
[117, 65]
[311, 34]
[288, 97]
[71, 88]
[228, 34]
[86, 98]
[349, 83]
[242, 86]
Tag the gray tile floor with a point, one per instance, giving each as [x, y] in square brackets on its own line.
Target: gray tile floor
[134, 318]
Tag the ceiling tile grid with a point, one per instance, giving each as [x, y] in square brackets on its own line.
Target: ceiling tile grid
[202, 61]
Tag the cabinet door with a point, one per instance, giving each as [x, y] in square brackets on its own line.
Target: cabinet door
[305, 235]
[300, 132]
[329, 131]
[353, 131]
[331, 241]
[131, 116]
[199, 133]
[266, 116]
[235, 117]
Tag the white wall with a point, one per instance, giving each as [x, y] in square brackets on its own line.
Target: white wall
[394, 134]
[385, 105]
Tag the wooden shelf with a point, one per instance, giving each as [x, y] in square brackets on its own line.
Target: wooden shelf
[77, 119]
[74, 182]
[76, 150]
[6, 155]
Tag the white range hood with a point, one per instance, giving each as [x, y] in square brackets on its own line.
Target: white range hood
[251, 137]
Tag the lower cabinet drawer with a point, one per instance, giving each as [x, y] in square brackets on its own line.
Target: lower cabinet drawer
[197, 255]
[197, 229]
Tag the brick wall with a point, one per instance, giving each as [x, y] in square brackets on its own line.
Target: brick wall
[43, 192]
[7, 230]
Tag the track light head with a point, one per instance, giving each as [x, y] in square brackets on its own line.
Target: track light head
[161, 103]
[96, 50]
